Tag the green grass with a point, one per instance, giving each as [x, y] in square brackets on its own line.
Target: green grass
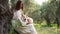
[44, 29]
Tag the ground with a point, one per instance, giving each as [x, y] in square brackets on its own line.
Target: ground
[43, 29]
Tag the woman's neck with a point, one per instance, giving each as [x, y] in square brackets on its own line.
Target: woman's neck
[21, 10]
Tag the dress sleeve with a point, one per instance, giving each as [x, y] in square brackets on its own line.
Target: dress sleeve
[18, 15]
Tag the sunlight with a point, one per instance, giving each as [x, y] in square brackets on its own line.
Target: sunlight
[40, 1]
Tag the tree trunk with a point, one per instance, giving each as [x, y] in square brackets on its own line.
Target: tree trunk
[47, 20]
[57, 21]
[58, 14]
[5, 17]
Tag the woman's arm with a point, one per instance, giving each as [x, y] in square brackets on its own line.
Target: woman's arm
[18, 16]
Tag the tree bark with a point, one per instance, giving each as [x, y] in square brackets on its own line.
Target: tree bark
[47, 20]
[5, 17]
[57, 21]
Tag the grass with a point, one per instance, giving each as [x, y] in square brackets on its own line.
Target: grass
[43, 29]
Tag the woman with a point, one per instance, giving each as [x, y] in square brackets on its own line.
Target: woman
[27, 22]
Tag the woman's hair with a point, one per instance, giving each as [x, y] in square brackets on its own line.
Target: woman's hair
[18, 5]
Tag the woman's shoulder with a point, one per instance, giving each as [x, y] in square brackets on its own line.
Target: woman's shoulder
[18, 11]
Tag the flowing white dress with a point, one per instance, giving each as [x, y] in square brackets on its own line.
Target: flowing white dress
[25, 28]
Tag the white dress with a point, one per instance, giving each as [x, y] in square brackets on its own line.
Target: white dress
[25, 29]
